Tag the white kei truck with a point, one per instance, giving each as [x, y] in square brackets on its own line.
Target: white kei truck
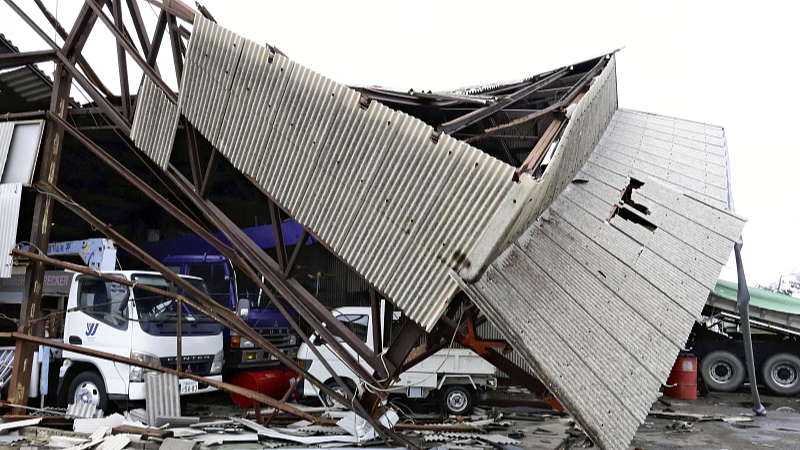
[456, 374]
[130, 322]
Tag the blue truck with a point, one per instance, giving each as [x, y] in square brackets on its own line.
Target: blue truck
[191, 255]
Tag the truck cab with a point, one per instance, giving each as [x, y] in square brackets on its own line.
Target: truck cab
[247, 299]
[131, 322]
[455, 374]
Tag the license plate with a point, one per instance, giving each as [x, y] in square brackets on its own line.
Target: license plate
[188, 386]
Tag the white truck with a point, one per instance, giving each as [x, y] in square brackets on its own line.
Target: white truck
[124, 321]
[455, 374]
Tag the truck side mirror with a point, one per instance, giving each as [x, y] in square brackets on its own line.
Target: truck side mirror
[244, 308]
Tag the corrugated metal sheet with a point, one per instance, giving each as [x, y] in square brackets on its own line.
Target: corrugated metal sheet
[6, 131]
[116, 442]
[360, 177]
[81, 410]
[6, 359]
[10, 197]
[154, 123]
[599, 305]
[162, 396]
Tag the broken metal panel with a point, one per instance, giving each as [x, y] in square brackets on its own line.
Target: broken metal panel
[162, 396]
[210, 66]
[323, 157]
[580, 136]
[10, 197]
[6, 131]
[23, 152]
[155, 123]
[255, 95]
[614, 282]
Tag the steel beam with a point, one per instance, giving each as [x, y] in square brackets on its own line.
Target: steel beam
[287, 271]
[480, 114]
[562, 103]
[11, 60]
[277, 233]
[122, 61]
[146, 68]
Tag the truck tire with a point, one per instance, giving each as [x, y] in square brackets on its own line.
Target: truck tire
[88, 387]
[328, 401]
[781, 374]
[457, 399]
[722, 371]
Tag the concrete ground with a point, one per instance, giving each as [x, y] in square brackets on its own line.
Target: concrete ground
[780, 429]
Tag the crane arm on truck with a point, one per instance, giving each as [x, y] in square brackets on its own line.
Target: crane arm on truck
[96, 253]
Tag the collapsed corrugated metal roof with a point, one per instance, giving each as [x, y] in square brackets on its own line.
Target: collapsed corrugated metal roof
[627, 251]
[601, 292]
[364, 179]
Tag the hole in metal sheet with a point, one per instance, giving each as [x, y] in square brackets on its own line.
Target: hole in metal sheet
[601, 273]
[628, 214]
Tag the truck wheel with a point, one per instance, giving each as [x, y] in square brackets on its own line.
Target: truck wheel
[722, 371]
[781, 374]
[88, 387]
[328, 401]
[457, 399]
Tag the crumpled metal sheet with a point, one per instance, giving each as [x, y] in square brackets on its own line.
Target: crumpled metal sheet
[10, 198]
[81, 410]
[6, 132]
[155, 123]
[162, 396]
[599, 294]
[360, 176]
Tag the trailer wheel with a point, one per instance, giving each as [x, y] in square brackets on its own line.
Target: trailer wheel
[781, 374]
[722, 371]
[88, 387]
[329, 402]
[457, 399]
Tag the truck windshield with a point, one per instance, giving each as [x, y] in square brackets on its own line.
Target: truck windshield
[158, 309]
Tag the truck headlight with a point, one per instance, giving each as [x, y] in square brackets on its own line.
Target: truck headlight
[244, 343]
[292, 339]
[216, 365]
[137, 373]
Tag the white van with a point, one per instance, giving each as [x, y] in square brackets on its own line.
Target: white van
[456, 374]
[130, 322]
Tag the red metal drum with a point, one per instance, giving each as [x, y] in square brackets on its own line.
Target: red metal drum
[273, 383]
[682, 381]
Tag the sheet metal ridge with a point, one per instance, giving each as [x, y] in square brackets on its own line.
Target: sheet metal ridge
[10, 198]
[155, 123]
[82, 410]
[162, 396]
[211, 59]
[412, 178]
[308, 108]
[567, 377]
[591, 118]
[685, 124]
[6, 132]
[472, 195]
[256, 93]
[348, 165]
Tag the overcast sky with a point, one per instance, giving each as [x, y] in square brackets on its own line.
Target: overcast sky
[722, 63]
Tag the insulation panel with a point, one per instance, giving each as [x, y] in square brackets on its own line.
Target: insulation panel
[599, 295]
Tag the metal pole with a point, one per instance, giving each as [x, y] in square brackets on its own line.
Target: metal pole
[743, 303]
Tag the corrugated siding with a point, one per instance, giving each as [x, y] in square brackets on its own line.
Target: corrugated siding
[402, 210]
[599, 308]
[6, 131]
[162, 396]
[155, 123]
[10, 197]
